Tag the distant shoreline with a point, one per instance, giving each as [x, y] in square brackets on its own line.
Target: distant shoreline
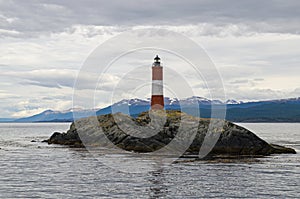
[273, 111]
[70, 121]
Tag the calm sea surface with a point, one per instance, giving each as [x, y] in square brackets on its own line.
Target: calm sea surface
[38, 170]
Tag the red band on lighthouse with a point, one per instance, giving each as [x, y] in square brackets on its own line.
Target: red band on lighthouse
[157, 73]
[157, 97]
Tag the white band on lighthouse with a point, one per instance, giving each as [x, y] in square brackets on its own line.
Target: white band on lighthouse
[157, 87]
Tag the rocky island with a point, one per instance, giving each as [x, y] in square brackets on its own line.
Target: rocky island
[233, 140]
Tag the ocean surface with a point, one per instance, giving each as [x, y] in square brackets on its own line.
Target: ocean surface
[38, 170]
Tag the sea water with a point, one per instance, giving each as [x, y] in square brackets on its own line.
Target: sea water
[37, 170]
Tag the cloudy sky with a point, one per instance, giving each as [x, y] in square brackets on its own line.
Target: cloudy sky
[255, 46]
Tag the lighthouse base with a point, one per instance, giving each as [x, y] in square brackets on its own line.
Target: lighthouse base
[157, 102]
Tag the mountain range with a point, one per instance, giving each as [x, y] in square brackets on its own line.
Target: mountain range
[282, 110]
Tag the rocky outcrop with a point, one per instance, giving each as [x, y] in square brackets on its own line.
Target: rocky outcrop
[153, 131]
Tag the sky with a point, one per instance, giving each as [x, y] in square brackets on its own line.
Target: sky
[254, 45]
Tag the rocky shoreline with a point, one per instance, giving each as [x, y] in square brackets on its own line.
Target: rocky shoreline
[124, 132]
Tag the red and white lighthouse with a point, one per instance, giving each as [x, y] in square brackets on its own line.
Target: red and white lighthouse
[157, 98]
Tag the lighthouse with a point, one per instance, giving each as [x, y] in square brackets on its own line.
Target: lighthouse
[157, 97]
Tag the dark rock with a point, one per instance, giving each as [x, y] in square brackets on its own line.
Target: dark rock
[281, 149]
[70, 138]
[233, 140]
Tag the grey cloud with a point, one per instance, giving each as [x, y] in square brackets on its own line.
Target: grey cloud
[240, 81]
[7, 95]
[243, 82]
[46, 84]
[56, 97]
[297, 91]
[45, 78]
[254, 94]
[56, 78]
[258, 79]
[35, 17]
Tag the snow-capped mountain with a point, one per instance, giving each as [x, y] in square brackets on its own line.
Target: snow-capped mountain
[169, 101]
[289, 100]
[132, 102]
[232, 101]
[287, 110]
[199, 100]
[50, 115]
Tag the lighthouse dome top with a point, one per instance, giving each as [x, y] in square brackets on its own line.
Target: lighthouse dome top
[157, 58]
[156, 61]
